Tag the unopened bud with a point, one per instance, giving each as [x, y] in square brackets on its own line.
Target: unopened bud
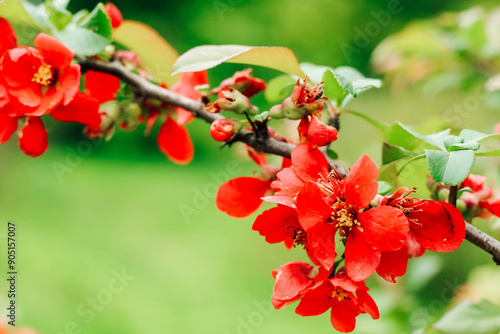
[231, 100]
[225, 129]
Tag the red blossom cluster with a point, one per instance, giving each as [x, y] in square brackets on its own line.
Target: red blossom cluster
[316, 208]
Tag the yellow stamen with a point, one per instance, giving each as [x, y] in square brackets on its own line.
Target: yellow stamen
[44, 76]
[344, 216]
[340, 294]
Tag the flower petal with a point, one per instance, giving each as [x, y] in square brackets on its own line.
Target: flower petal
[321, 240]
[361, 185]
[33, 137]
[287, 183]
[240, 197]
[83, 109]
[320, 134]
[393, 264]
[385, 227]
[8, 125]
[360, 259]
[276, 224]
[291, 279]
[102, 86]
[366, 304]
[8, 38]
[343, 316]
[54, 53]
[309, 165]
[283, 200]
[437, 226]
[316, 300]
[174, 141]
[311, 208]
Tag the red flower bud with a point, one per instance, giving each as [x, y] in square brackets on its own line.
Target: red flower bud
[224, 129]
[114, 14]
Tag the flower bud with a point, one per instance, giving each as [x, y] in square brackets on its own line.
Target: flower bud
[224, 129]
[114, 14]
[231, 100]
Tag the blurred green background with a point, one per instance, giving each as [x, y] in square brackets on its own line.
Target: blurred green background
[118, 207]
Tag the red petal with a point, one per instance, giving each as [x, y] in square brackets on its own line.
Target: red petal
[183, 116]
[83, 109]
[291, 280]
[287, 183]
[8, 125]
[259, 158]
[361, 185]
[283, 200]
[50, 100]
[114, 14]
[188, 82]
[8, 38]
[321, 240]
[309, 165]
[385, 228]
[437, 226]
[276, 224]
[54, 52]
[360, 259]
[70, 83]
[493, 206]
[343, 316]
[174, 141]
[311, 208]
[320, 134]
[102, 86]
[33, 137]
[366, 304]
[316, 301]
[240, 197]
[414, 249]
[19, 65]
[393, 264]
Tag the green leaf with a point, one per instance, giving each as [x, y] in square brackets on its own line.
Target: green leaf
[471, 136]
[392, 153]
[157, 55]
[38, 12]
[59, 16]
[468, 317]
[262, 116]
[90, 35]
[491, 153]
[353, 81]
[379, 125]
[383, 187]
[450, 168]
[333, 89]
[398, 136]
[313, 71]
[435, 139]
[415, 158]
[208, 56]
[279, 88]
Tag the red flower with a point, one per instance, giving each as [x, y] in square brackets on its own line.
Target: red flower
[242, 81]
[368, 232]
[316, 133]
[345, 297]
[301, 103]
[114, 14]
[40, 79]
[280, 224]
[83, 109]
[434, 225]
[479, 203]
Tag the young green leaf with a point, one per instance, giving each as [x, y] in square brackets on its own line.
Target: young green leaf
[435, 139]
[450, 168]
[353, 81]
[90, 35]
[383, 187]
[208, 56]
[491, 153]
[392, 153]
[333, 89]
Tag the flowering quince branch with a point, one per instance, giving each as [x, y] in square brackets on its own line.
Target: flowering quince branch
[269, 145]
[318, 201]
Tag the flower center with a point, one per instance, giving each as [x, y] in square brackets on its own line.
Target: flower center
[344, 217]
[339, 294]
[44, 76]
[298, 235]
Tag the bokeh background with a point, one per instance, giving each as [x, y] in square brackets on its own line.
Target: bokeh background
[119, 205]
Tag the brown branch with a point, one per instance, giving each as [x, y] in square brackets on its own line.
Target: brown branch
[267, 145]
